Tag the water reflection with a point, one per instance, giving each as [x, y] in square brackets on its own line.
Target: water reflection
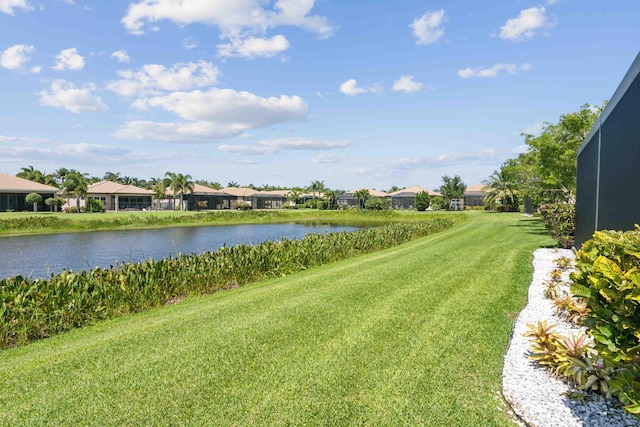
[40, 256]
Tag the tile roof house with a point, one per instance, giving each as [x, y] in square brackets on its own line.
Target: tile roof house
[118, 197]
[406, 198]
[348, 198]
[13, 191]
[259, 199]
[474, 195]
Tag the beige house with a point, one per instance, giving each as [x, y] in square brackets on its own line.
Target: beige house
[474, 195]
[406, 198]
[14, 190]
[259, 199]
[117, 197]
[202, 197]
[348, 198]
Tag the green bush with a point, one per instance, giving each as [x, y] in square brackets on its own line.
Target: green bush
[422, 201]
[94, 205]
[560, 220]
[438, 203]
[376, 203]
[608, 278]
[33, 309]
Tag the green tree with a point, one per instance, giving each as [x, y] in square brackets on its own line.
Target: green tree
[375, 203]
[422, 201]
[553, 154]
[293, 195]
[362, 195]
[233, 184]
[452, 188]
[503, 194]
[331, 197]
[34, 198]
[179, 184]
[75, 184]
[315, 188]
[31, 174]
[159, 192]
[54, 203]
[111, 176]
[216, 185]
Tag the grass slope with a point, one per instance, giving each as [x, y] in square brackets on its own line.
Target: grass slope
[408, 336]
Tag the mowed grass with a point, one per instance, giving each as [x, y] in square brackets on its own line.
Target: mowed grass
[414, 335]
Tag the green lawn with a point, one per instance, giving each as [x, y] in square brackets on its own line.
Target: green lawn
[408, 336]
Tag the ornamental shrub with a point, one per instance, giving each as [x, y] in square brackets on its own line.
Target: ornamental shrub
[608, 278]
[560, 220]
[422, 201]
[94, 205]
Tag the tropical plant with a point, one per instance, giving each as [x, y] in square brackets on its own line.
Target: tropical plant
[75, 184]
[376, 203]
[331, 197]
[452, 188]
[560, 220]
[545, 343]
[293, 196]
[94, 205]
[159, 192]
[315, 188]
[422, 201]
[34, 198]
[362, 195]
[179, 184]
[502, 194]
[233, 184]
[54, 203]
[111, 176]
[31, 174]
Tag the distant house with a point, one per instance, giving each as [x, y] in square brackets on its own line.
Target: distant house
[406, 198]
[258, 199]
[474, 195]
[14, 190]
[118, 197]
[204, 197]
[348, 198]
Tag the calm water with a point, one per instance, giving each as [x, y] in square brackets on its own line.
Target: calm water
[39, 256]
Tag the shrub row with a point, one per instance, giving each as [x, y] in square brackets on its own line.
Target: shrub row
[608, 278]
[34, 309]
[560, 220]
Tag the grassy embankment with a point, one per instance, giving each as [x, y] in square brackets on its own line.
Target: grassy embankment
[23, 223]
[407, 336]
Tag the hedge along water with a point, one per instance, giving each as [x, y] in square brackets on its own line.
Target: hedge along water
[33, 309]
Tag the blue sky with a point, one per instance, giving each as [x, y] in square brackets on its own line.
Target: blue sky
[283, 92]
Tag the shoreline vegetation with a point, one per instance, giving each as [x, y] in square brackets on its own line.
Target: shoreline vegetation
[33, 309]
[17, 224]
[410, 335]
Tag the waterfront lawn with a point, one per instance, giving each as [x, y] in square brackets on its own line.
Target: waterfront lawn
[413, 335]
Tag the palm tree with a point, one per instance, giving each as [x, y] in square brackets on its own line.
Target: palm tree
[362, 195]
[111, 176]
[216, 185]
[159, 192]
[502, 191]
[316, 187]
[233, 184]
[179, 184]
[331, 197]
[293, 196]
[75, 184]
[31, 174]
[60, 175]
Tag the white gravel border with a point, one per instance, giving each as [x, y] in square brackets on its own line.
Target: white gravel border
[536, 396]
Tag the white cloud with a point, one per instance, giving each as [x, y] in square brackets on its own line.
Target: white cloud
[243, 23]
[428, 28]
[273, 146]
[492, 71]
[36, 69]
[407, 84]
[8, 6]
[214, 115]
[525, 25]
[533, 129]
[329, 158]
[252, 47]
[153, 79]
[4, 138]
[189, 43]
[15, 56]
[350, 87]
[484, 157]
[77, 100]
[69, 59]
[121, 55]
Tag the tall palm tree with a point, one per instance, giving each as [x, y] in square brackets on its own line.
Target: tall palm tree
[233, 184]
[316, 187]
[331, 197]
[502, 192]
[31, 174]
[75, 184]
[111, 176]
[362, 195]
[159, 191]
[60, 175]
[180, 184]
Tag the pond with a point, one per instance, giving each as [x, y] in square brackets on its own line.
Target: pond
[40, 255]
